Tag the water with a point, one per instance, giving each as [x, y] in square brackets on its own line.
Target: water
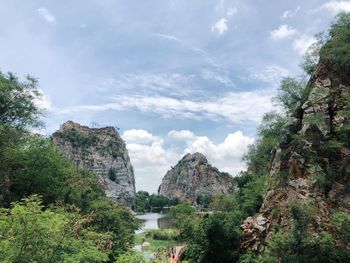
[153, 221]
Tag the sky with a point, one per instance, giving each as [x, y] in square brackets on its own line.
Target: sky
[175, 76]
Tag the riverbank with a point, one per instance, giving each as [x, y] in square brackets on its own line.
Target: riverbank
[154, 244]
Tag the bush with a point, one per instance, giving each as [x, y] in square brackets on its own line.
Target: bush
[162, 234]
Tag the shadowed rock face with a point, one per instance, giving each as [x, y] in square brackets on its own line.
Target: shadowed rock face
[101, 151]
[193, 177]
[298, 163]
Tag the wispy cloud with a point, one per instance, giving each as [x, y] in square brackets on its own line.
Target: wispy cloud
[208, 74]
[235, 107]
[336, 7]
[302, 43]
[270, 74]
[290, 13]
[46, 15]
[283, 31]
[181, 42]
[221, 25]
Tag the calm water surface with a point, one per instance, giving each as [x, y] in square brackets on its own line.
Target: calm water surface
[153, 221]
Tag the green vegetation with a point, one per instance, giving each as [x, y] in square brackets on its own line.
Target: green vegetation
[54, 212]
[214, 237]
[299, 245]
[337, 50]
[31, 234]
[51, 211]
[144, 202]
[77, 139]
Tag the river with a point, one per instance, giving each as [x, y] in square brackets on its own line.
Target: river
[153, 221]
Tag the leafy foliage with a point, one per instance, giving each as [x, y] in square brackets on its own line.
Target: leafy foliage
[31, 234]
[72, 221]
[298, 245]
[337, 49]
[144, 202]
[290, 94]
[130, 257]
[18, 106]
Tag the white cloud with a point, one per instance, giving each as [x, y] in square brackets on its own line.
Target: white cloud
[227, 156]
[208, 74]
[171, 84]
[181, 135]
[220, 26]
[302, 43]
[270, 74]
[43, 102]
[284, 31]
[47, 15]
[290, 13]
[231, 11]
[235, 107]
[152, 161]
[139, 136]
[336, 7]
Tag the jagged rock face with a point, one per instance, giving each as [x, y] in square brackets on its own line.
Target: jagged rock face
[298, 164]
[101, 151]
[193, 177]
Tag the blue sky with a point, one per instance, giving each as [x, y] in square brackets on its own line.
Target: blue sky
[174, 76]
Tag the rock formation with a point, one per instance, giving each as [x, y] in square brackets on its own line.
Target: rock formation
[102, 151]
[193, 178]
[311, 162]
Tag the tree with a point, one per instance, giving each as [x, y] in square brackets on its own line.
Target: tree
[337, 49]
[17, 101]
[130, 256]
[290, 94]
[31, 234]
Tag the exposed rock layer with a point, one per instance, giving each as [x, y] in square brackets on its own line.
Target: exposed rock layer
[193, 178]
[102, 151]
[308, 153]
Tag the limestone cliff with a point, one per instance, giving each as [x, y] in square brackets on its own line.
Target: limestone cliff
[193, 177]
[311, 162]
[102, 151]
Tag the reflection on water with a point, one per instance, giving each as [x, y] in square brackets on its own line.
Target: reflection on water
[154, 221]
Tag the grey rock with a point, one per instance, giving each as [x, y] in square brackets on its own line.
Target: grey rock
[99, 150]
[193, 177]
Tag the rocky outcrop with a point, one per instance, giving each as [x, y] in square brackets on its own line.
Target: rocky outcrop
[311, 162]
[102, 151]
[193, 178]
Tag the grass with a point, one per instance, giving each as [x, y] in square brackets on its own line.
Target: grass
[159, 239]
[151, 237]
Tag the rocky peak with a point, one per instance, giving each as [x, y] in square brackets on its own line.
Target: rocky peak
[194, 177]
[311, 162]
[102, 151]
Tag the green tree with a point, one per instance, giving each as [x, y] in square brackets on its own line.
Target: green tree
[337, 49]
[130, 256]
[141, 202]
[290, 94]
[31, 234]
[17, 101]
